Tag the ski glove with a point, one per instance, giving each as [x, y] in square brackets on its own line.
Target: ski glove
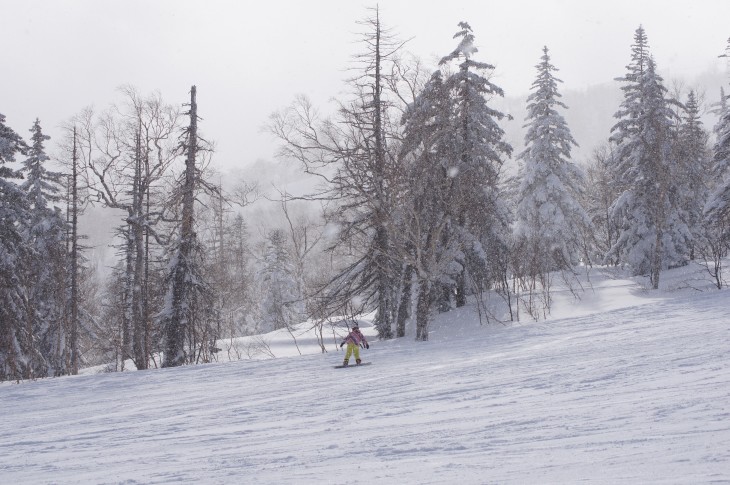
[343, 343]
[367, 346]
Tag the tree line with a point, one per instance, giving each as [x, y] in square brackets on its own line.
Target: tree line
[416, 212]
[414, 171]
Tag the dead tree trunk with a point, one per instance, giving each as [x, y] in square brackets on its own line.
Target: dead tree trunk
[74, 294]
[179, 324]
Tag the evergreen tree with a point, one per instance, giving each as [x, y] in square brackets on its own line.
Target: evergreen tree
[240, 277]
[693, 169]
[718, 205]
[282, 305]
[46, 239]
[717, 208]
[652, 234]
[188, 302]
[550, 220]
[479, 149]
[429, 246]
[16, 344]
[628, 125]
[721, 151]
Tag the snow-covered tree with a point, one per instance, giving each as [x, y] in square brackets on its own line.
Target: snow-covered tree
[652, 233]
[227, 267]
[240, 277]
[367, 170]
[479, 151]
[16, 345]
[82, 306]
[46, 278]
[355, 155]
[717, 207]
[186, 315]
[282, 305]
[550, 220]
[127, 151]
[693, 169]
[598, 196]
[428, 245]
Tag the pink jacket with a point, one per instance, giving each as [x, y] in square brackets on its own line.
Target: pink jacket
[355, 337]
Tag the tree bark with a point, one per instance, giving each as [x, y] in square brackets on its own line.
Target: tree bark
[422, 309]
[179, 325]
[74, 296]
[405, 302]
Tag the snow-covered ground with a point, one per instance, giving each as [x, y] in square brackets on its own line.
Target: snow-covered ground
[623, 386]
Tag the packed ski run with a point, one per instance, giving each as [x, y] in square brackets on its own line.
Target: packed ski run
[623, 385]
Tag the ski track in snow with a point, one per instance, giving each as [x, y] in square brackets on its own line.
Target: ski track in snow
[633, 395]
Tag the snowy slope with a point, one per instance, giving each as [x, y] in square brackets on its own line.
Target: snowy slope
[625, 386]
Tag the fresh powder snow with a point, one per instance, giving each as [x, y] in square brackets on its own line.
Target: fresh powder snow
[624, 385]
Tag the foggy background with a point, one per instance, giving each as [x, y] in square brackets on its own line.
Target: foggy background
[249, 59]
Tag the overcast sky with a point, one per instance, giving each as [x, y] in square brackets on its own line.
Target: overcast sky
[249, 59]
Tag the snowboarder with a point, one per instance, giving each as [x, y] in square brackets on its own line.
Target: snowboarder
[354, 340]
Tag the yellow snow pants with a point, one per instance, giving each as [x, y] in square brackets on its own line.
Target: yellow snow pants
[350, 349]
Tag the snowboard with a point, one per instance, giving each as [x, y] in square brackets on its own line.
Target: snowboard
[352, 365]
